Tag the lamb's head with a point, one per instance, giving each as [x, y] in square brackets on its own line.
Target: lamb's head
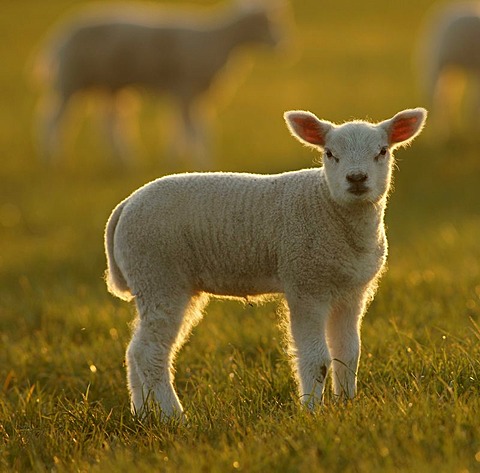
[358, 155]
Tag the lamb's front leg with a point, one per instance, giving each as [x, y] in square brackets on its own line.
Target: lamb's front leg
[312, 358]
[343, 332]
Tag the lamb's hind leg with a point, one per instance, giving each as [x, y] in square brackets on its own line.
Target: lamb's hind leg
[159, 332]
[307, 324]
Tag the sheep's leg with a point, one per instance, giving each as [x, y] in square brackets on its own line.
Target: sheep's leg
[150, 361]
[473, 122]
[447, 103]
[118, 131]
[312, 358]
[194, 133]
[149, 366]
[51, 113]
[150, 356]
[135, 384]
[343, 332]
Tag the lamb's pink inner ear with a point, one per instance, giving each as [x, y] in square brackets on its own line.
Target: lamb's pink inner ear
[308, 129]
[403, 129]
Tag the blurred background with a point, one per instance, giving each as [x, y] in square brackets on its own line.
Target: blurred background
[341, 60]
[63, 396]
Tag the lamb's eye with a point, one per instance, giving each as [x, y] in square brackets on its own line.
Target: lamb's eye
[382, 153]
[330, 155]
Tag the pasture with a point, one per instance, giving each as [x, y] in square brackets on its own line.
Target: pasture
[63, 397]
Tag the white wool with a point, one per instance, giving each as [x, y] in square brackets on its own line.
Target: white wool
[315, 235]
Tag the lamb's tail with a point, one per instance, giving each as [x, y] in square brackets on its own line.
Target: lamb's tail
[114, 277]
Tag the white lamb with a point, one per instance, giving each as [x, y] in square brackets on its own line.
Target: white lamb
[449, 60]
[315, 235]
[145, 48]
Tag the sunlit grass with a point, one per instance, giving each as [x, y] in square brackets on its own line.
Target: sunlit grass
[63, 399]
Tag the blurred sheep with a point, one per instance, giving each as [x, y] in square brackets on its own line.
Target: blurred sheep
[146, 48]
[449, 63]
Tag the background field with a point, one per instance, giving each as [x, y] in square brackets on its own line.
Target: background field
[63, 396]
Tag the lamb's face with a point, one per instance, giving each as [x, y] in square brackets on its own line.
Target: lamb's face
[357, 155]
[357, 162]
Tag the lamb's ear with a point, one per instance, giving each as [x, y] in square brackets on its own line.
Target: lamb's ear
[404, 126]
[307, 128]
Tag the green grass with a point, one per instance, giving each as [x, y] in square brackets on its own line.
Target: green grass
[63, 398]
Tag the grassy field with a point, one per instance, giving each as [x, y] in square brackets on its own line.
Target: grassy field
[63, 397]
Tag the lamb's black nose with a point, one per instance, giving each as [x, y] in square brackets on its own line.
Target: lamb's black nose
[356, 178]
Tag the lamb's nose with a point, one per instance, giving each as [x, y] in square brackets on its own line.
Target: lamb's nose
[356, 178]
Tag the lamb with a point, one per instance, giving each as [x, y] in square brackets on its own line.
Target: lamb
[449, 53]
[315, 235]
[151, 49]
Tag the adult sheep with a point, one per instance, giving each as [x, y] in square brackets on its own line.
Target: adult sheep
[449, 65]
[146, 48]
[315, 235]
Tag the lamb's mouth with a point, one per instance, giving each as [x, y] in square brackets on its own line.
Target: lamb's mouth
[358, 190]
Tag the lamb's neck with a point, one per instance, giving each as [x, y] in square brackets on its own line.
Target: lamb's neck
[361, 221]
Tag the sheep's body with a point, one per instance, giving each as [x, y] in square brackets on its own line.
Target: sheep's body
[182, 237]
[150, 50]
[451, 45]
[234, 251]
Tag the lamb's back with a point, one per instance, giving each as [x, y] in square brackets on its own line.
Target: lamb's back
[220, 230]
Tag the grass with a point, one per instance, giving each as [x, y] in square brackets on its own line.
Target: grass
[63, 398]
